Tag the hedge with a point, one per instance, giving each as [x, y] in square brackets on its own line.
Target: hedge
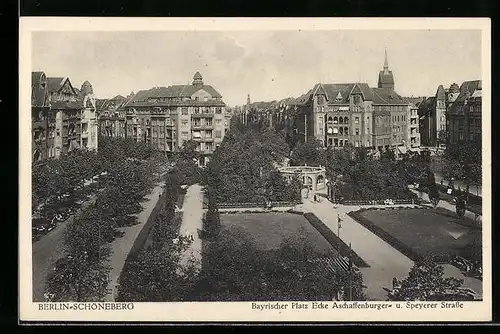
[334, 240]
[400, 246]
[146, 229]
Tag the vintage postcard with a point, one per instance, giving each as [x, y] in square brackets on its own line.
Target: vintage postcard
[244, 169]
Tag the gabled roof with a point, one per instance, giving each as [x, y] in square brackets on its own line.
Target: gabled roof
[414, 101]
[54, 84]
[387, 96]
[466, 90]
[441, 94]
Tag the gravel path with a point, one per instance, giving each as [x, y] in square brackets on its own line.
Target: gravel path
[191, 222]
[121, 246]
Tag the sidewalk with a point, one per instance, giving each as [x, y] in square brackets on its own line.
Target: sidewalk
[448, 206]
[473, 189]
[120, 247]
[192, 220]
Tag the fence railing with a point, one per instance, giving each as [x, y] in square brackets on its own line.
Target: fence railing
[379, 201]
[254, 205]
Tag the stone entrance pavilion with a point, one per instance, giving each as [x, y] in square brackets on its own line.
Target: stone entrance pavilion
[312, 177]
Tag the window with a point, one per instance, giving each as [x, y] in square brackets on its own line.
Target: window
[225, 122]
[320, 130]
[341, 120]
[330, 130]
[218, 110]
[218, 134]
[218, 121]
[208, 134]
[184, 110]
[335, 120]
[346, 131]
[335, 130]
[196, 122]
[346, 120]
[208, 122]
[356, 120]
[196, 134]
[184, 134]
[330, 119]
[196, 109]
[320, 99]
[341, 131]
[184, 122]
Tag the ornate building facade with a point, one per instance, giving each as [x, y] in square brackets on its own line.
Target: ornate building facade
[354, 113]
[464, 113]
[40, 107]
[112, 119]
[63, 118]
[167, 117]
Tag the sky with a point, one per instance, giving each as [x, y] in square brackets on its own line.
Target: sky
[268, 65]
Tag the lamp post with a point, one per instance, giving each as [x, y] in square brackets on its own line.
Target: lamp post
[339, 225]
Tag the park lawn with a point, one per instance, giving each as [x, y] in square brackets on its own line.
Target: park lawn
[269, 230]
[427, 232]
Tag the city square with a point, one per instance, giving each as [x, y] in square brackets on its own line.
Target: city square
[353, 184]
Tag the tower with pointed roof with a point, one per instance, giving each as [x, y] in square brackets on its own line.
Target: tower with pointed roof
[385, 77]
[197, 80]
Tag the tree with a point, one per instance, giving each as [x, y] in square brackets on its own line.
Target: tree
[154, 275]
[76, 278]
[235, 269]
[309, 153]
[426, 281]
[433, 189]
[211, 223]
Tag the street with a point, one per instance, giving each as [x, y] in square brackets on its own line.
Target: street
[47, 250]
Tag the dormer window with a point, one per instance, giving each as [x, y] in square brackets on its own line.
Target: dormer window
[338, 97]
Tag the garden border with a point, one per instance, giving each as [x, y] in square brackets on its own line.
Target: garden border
[334, 240]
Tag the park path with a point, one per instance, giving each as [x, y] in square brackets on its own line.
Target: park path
[385, 262]
[192, 221]
[47, 250]
[120, 247]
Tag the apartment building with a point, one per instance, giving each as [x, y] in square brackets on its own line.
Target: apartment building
[167, 117]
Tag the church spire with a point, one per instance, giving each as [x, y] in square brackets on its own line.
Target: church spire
[385, 76]
[386, 63]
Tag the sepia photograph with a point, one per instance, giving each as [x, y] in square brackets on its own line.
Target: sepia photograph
[196, 169]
